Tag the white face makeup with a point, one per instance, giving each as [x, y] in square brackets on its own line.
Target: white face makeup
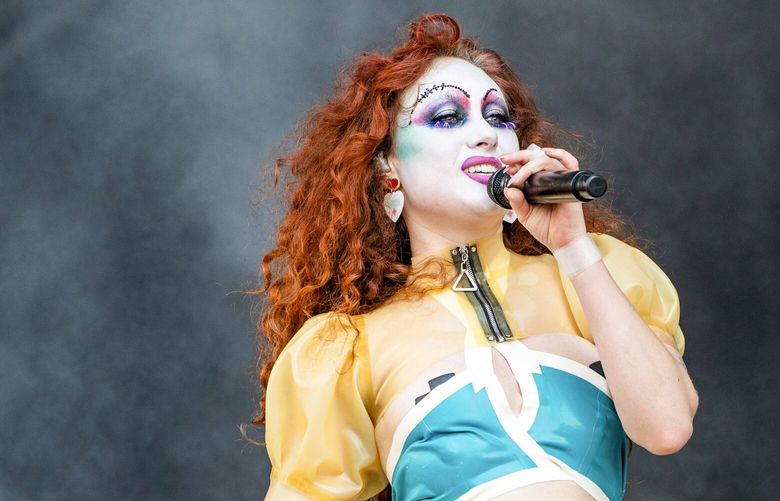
[445, 149]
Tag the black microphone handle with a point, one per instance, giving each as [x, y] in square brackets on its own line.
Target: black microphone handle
[549, 187]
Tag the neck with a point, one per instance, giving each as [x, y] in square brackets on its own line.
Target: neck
[427, 239]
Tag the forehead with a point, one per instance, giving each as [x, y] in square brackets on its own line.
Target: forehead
[452, 71]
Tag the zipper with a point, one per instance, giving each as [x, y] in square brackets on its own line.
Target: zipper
[478, 292]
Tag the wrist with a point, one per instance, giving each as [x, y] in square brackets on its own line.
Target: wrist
[577, 256]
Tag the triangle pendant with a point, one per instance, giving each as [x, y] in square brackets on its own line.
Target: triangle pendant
[455, 287]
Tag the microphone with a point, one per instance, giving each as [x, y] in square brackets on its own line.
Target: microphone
[549, 187]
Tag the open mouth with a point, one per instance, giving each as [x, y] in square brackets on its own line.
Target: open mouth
[480, 168]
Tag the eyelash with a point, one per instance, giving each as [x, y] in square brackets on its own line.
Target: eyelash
[455, 119]
[502, 122]
[447, 119]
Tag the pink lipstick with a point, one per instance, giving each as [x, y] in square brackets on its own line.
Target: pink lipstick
[481, 168]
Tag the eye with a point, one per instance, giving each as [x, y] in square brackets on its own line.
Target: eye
[447, 118]
[501, 120]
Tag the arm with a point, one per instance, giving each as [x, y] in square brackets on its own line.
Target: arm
[653, 393]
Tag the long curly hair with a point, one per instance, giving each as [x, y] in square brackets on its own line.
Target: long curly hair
[336, 249]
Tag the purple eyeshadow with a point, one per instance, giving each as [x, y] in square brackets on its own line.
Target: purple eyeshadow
[451, 100]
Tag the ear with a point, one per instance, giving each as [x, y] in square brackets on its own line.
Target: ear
[386, 164]
[392, 164]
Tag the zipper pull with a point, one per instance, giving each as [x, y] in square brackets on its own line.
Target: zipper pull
[465, 269]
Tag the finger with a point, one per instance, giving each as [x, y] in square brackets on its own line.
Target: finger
[568, 160]
[518, 203]
[512, 169]
[534, 166]
[518, 157]
[524, 172]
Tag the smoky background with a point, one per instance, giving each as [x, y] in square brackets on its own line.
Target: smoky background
[132, 136]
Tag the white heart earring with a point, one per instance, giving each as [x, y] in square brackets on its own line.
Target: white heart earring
[510, 216]
[394, 200]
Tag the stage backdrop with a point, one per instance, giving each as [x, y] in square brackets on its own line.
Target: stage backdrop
[131, 139]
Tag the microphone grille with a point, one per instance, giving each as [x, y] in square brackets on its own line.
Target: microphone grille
[495, 188]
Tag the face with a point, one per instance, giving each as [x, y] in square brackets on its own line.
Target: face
[445, 143]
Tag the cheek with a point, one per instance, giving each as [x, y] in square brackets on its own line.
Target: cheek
[409, 144]
[508, 141]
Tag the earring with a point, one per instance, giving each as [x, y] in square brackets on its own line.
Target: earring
[394, 200]
[510, 216]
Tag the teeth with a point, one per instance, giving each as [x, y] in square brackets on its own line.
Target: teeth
[482, 168]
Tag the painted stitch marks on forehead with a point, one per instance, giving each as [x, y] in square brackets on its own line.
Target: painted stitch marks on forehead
[430, 90]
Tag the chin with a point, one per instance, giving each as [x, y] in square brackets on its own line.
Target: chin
[484, 212]
[488, 208]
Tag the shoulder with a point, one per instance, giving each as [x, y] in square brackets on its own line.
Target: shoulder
[629, 265]
[609, 245]
[615, 249]
[322, 328]
[325, 343]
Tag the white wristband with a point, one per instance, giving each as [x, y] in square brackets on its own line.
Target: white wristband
[577, 255]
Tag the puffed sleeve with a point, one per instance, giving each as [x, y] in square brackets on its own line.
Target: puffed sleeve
[319, 432]
[644, 284]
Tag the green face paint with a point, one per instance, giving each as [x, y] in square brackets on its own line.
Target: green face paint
[408, 142]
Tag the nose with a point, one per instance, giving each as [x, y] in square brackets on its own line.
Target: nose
[483, 136]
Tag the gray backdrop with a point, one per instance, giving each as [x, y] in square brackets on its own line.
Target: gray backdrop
[131, 137]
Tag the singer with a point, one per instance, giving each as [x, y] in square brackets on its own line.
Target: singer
[420, 341]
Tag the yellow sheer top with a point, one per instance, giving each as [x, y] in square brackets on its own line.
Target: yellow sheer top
[331, 386]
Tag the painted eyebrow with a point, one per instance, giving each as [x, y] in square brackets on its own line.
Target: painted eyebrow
[430, 90]
[487, 93]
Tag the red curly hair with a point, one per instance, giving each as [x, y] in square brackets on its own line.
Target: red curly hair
[338, 251]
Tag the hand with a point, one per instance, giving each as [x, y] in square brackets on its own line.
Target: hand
[554, 225]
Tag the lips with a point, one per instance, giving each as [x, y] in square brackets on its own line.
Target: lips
[484, 167]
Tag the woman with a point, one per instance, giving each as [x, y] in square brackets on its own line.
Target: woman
[420, 335]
